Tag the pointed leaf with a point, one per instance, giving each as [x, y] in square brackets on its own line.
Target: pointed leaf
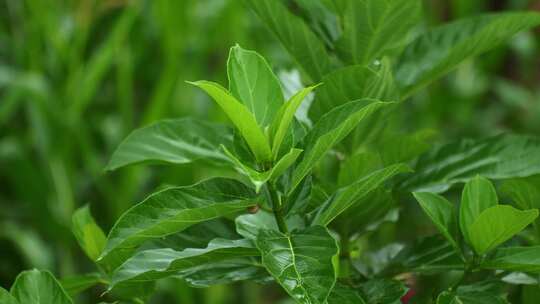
[498, 224]
[526, 259]
[441, 49]
[176, 141]
[90, 237]
[38, 287]
[442, 214]
[330, 130]
[173, 210]
[253, 83]
[300, 262]
[478, 195]
[241, 117]
[373, 28]
[154, 264]
[347, 196]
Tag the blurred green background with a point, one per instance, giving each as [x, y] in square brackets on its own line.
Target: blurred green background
[76, 76]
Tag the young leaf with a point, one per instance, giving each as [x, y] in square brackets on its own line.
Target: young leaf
[173, 210]
[441, 49]
[300, 262]
[282, 121]
[352, 83]
[6, 297]
[347, 196]
[295, 36]
[442, 214]
[38, 287]
[253, 83]
[498, 224]
[526, 259]
[478, 195]
[330, 130]
[154, 264]
[498, 157]
[241, 117]
[90, 237]
[373, 28]
[175, 141]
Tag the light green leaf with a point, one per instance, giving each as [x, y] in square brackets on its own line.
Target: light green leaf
[6, 297]
[352, 83]
[478, 195]
[249, 225]
[176, 141]
[253, 83]
[282, 122]
[343, 294]
[357, 166]
[441, 49]
[348, 196]
[241, 117]
[526, 259]
[295, 36]
[373, 28]
[498, 224]
[90, 237]
[330, 130]
[154, 264]
[258, 179]
[173, 210]
[74, 285]
[300, 262]
[442, 214]
[499, 157]
[38, 287]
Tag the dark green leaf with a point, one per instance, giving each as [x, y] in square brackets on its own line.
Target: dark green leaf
[38, 287]
[384, 291]
[90, 237]
[526, 259]
[300, 262]
[525, 192]
[478, 195]
[74, 285]
[343, 294]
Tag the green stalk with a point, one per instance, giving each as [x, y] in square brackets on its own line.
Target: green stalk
[274, 201]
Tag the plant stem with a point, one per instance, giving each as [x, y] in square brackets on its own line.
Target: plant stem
[273, 199]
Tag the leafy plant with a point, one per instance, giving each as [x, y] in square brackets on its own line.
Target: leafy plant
[306, 192]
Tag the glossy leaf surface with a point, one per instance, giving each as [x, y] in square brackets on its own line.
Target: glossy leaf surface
[38, 287]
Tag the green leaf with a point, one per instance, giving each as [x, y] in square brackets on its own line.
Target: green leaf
[88, 234]
[441, 49]
[74, 285]
[154, 264]
[249, 225]
[526, 259]
[487, 292]
[6, 297]
[282, 122]
[347, 196]
[498, 224]
[478, 195]
[352, 83]
[300, 262]
[343, 294]
[241, 117]
[175, 141]
[253, 83]
[330, 130]
[442, 214]
[173, 210]
[525, 192]
[295, 36]
[357, 166]
[399, 148]
[258, 179]
[383, 291]
[38, 287]
[499, 157]
[373, 28]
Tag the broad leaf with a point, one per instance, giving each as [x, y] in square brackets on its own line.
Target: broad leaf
[330, 130]
[38, 287]
[176, 141]
[90, 237]
[441, 49]
[442, 214]
[241, 117]
[253, 83]
[173, 210]
[478, 195]
[74, 285]
[347, 196]
[498, 224]
[300, 262]
[343, 294]
[487, 292]
[6, 297]
[526, 259]
[249, 225]
[383, 291]
[295, 36]
[154, 264]
[352, 83]
[373, 28]
[525, 192]
[498, 157]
